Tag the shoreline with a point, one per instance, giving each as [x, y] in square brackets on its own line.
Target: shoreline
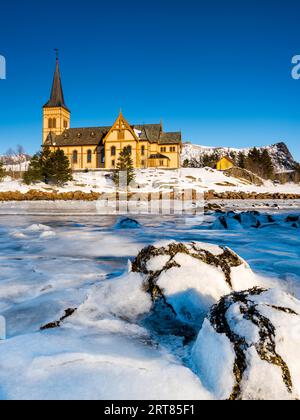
[140, 196]
[77, 208]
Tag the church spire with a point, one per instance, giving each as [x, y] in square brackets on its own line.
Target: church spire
[57, 96]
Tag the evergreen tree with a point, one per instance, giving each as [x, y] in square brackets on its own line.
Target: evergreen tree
[253, 162]
[2, 171]
[186, 163]
[232, 156]
[125, 164]
[34, 172]
[241, 161]
[267, 165]
[60, 171]
[49, 167]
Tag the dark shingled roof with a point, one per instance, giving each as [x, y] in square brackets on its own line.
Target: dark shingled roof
[159, 156]
[57, 95]
[170, 138]
[93, 136]
[150, 132]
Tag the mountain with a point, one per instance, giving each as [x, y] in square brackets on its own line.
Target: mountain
[281, 156]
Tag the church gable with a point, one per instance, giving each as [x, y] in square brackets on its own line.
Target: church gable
[121, 131]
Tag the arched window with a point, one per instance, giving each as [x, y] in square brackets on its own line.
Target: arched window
[143, 150]
[75, 156]
[89, 156]
[113, 151]
[50, 123]
[54, 122]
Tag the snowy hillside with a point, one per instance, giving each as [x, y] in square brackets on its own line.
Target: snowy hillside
[281, 156]
[16, 162]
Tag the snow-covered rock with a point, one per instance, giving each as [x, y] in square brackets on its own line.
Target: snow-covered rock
[127, 223]
[248, 347]
[252, 219]
[191, 277]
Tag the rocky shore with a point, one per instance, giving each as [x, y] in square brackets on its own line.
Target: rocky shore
[38, 195]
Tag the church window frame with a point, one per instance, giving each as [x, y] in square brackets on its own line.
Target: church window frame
[89, 156]
[75, 157]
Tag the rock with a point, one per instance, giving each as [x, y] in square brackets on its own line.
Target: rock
[243, 174]
[55, 324]
[212, 207]
[248, 347]
[292, 219]
[190, 277]
[127, 224]
[238, 221]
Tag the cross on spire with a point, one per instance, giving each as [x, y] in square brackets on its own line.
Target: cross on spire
[57, 54]
[57, 96]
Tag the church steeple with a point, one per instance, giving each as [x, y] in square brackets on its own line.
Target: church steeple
[56, 115]
[57, 96]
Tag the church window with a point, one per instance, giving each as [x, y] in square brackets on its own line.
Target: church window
[50, 123]
[143, 150]
[65, 124]
[89, 156]
[163, 149]
[113, 163]
[75, 156]
[173, 149]
[113, 151]
[54, 122]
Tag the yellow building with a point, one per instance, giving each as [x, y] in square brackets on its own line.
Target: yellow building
[225, 163]
[100, 147]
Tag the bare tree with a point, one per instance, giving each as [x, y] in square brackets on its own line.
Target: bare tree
[21, 156]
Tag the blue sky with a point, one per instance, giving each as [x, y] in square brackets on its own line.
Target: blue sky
[219, 71]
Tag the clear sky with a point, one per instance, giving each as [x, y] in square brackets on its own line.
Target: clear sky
[220, 71]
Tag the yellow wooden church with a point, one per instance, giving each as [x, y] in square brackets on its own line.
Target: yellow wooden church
[100, 147]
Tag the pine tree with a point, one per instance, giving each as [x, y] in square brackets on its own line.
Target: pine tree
[60, 170]
[34, 172]
[253, 162]
[241, 161]
[233, 157]
[49, 167]
[2, 171]
[125, 164]
[186, 163]
[267, 165]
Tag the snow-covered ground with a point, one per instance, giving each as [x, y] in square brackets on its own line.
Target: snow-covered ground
[107, 349]
[203, 179]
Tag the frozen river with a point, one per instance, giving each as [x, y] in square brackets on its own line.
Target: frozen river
[51, 263]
